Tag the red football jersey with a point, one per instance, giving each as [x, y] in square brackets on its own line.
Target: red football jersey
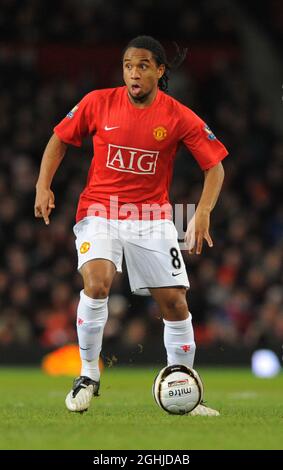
[134, 151]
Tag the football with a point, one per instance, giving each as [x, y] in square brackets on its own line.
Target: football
[177, 389]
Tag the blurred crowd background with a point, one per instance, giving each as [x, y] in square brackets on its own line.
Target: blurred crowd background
[51, 54]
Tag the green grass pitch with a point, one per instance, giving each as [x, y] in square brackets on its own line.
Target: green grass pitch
[125, 416]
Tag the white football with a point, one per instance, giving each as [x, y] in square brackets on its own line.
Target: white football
[177, 389]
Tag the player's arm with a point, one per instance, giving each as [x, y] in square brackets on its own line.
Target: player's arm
[52, 157]
[198, 227]
[78, 123]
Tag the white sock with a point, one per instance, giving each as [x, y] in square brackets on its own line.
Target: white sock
[91, 318]
[179, 342]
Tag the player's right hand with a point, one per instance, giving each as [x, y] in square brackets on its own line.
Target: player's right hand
[44, 203]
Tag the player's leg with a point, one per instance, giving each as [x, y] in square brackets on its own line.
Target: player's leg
[99, 257]
[92, 315]
[178, 330]
[155, 264]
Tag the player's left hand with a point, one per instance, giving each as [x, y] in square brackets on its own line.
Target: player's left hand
[198, 231]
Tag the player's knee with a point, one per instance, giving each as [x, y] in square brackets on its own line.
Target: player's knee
[97, 289]
[175, 309]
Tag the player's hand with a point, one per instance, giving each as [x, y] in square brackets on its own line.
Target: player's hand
[44, 203]
[198, 231]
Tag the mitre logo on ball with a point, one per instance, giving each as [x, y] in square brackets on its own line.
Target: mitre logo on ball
[132, 160]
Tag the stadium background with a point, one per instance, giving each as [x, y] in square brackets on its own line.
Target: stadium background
[51, 54]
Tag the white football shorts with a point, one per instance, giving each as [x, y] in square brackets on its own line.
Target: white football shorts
[151, 250]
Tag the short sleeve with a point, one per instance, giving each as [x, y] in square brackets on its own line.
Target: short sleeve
[200, 140]
[79, 122]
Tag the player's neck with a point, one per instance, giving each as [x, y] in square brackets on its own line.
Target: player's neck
[145, 101]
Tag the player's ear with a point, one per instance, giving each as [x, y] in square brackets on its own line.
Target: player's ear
[161, 70]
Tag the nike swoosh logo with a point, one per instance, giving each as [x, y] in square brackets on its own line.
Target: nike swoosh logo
[110, 128]
[177, 274]
[85, 349]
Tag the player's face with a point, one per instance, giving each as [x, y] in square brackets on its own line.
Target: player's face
[141, 75]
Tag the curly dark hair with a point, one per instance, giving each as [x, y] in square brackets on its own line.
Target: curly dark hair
[159, 54]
